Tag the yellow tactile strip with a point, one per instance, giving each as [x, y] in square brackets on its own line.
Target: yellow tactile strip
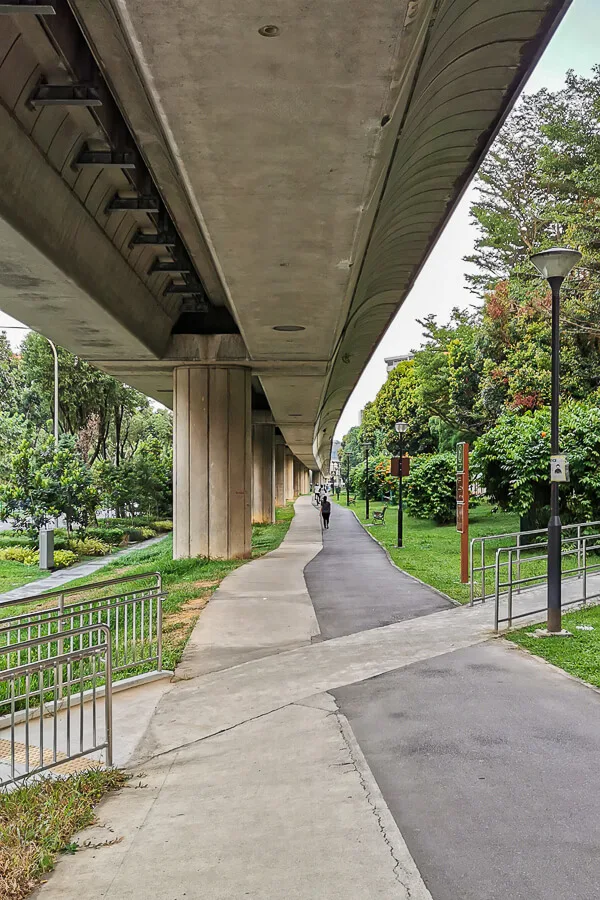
[69, 767]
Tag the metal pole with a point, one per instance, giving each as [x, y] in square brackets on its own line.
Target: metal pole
[55, 391]
[554, 525]
[348, 482]
[400, 496]
[367, 482]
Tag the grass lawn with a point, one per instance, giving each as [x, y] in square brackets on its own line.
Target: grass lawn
[189, 583]
[38, 820]
[15, 574]
[432, 552]
[579, 655]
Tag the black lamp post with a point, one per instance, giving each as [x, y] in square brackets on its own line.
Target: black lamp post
[554, 265]
[366, 446]
[401, 429]
[348, 481]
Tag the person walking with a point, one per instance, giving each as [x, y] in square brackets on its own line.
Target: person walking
[325, 511]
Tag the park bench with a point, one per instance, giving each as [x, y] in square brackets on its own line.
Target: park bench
[379, 516]
[351, 500]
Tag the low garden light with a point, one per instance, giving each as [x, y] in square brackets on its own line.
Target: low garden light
[554, 265]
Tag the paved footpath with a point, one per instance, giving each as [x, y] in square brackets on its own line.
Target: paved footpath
[64, 576]
[414, 760]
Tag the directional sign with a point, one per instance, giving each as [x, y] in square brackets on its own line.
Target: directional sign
[559, 469]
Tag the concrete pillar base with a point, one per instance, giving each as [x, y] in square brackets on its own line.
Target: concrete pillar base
[279, 471]
[212, 464]
[263, 473]
[288, 474]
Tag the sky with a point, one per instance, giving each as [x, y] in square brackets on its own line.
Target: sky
[441, 285]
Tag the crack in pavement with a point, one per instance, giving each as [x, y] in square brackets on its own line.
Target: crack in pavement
[409, 881]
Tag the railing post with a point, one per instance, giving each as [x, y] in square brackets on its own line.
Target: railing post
[471, 572]
[519, 563]
[60, 646]
[497, 590]
[483, 570]
[159, 624]
[509, 605]
[108, 698]
[579, 551]
[585, 570]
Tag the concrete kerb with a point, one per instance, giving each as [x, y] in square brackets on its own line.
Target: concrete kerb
[405, 869]
[396, 566]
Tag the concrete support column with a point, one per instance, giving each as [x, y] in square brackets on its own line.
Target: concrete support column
[212, 462]
[279, 471]
[297, 477]
[263, 472]
[288, 474]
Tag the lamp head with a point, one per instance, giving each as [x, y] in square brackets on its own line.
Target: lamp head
[555, 263]
[401, 427]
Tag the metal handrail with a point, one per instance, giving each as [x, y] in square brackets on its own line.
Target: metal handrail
[47, 595]
[135, 618]
[583, 545]
[482, 568]
[50, 671]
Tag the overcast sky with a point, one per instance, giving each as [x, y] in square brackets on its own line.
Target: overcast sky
[441, 284]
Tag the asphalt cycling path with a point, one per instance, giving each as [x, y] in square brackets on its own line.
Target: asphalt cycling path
[488, 761]
[354, 587]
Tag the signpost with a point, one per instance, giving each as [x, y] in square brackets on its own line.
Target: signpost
[462, 507]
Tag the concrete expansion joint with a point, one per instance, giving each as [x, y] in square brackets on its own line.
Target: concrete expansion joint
[140, 761]
[406, 879]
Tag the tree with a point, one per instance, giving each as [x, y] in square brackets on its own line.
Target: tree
[431, 487]
[398, 400]
[513, 461]
[45, 482]
[350, 450]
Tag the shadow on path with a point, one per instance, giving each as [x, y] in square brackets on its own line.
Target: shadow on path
[354, 587]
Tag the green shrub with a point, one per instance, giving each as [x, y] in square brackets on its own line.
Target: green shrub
[63, 558]
[10, 539]
[26, 555]
[431, 487]
[112, 535]
[89, 546]
[162, 525]
[148, 533]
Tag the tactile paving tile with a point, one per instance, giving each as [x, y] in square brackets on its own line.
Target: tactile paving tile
[69, 767]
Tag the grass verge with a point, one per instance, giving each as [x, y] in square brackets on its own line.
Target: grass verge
[578, 655]
[189, 583]
[38, 820]
[432, 552]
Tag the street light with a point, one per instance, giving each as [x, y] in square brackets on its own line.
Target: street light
[366, 447]
[401, 429]
[554, 265]
[347, 480]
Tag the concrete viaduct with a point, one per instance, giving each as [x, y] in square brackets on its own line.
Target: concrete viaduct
[224, 204]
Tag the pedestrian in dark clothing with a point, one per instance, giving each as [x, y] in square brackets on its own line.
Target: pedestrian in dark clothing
[325, 511]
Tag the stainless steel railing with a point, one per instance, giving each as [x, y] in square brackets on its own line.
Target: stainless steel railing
[133, 614]
[482, 569]
[510, 580]
[55, 696]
